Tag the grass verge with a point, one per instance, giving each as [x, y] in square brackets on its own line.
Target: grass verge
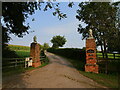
[107, 80]
[110, 81]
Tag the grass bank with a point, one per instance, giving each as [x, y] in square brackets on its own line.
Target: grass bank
[108, 80]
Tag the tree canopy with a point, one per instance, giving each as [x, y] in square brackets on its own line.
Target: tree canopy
[14, 15]
[46, 46]
[58, 41]
[101, 18]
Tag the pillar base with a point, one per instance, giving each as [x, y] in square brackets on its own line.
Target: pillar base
[91, 68]
[36, 64]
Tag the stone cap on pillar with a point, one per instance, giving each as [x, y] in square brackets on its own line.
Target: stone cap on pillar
[90, 34]
[34, 39]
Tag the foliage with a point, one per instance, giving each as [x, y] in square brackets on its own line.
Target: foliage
[101, 18]
[58, 41]
[8, 53]
[46, 46]
[72, 53]
[14, 15]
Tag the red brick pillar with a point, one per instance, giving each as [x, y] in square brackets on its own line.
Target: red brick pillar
[35, 54]
[91, 65]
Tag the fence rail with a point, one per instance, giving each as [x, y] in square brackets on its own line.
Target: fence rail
[16, 62]
[111, 56]
[110, 64]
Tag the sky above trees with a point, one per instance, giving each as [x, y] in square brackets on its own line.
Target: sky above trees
[46, 26]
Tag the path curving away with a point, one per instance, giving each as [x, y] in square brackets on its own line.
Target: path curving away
[58, 74]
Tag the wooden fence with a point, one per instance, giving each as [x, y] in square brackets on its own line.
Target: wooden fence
[12, 62]
[8, 63]
[111, 56]
[109, 64]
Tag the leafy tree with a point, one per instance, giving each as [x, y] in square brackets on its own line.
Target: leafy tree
[46, 46]
[113, 43]
[58, 41]
[101, 18]
[14, 15]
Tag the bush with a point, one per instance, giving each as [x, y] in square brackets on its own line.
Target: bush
[72, 53]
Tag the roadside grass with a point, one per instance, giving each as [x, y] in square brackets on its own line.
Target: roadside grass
[108, 80]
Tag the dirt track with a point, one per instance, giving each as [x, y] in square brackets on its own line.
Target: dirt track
[58, 74]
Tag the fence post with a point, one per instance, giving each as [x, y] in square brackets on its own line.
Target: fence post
[16, 63]
[25, 62]
[114, 55]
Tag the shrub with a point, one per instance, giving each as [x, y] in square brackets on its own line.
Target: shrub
[72, 53]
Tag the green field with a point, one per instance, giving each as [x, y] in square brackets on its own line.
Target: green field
[117, 56]
[20, 51]
[23, 53]
[18, 47]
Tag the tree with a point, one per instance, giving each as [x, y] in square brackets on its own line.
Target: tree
[58, 41]
[46, 46]
[113, 43]
[14, 15]
[101, 18]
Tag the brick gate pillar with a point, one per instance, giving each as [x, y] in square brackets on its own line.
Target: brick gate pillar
[35, 54]
[91, 59]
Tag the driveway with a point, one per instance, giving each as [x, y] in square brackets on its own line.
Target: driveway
[58, 74]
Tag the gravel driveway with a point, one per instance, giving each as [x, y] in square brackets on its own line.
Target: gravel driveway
[58, 74]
